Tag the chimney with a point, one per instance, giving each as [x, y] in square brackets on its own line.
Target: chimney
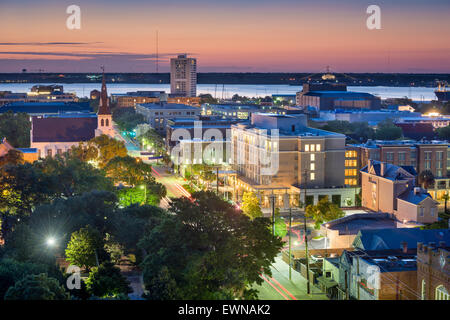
[382, 168]
[404, 246]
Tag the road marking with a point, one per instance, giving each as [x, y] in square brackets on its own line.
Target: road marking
[273, 286]
[283, 288]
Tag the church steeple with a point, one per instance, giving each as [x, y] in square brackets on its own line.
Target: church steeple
[103, 107]
[104, 117]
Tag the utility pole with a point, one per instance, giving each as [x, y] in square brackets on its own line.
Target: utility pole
[290, 226]
[306, 239]
[217, 181]
[273, 213]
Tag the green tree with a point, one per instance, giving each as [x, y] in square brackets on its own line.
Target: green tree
[83, 247]
[207, 98]
[37, 287]
[426, 179]
[387, 130]
[12, 271]
[211, 250]
[127, 118]
[107, 281]
[13, 157]
[153, 140]
[15, 128]
[108, 148]
[70, 176]
[250, 205]
[324, 211]
[443, 133]
[162, 287]
[129, 170]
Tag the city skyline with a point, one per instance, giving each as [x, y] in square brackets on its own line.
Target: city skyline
[262, 36]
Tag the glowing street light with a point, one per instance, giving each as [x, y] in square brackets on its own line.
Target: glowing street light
[51, 241]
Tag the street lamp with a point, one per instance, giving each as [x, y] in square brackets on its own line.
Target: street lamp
[51, 241]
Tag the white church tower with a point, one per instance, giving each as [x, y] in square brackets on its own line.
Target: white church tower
[104, 117]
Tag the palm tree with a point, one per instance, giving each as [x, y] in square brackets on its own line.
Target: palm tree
[426, 179]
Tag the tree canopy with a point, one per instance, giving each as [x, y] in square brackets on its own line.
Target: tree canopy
[324, 211]
[37, 287]
[15, 128]
[250, 205]
[209, 249]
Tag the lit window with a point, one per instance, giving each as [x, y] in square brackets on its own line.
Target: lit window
[442, 293]
[307, 147]
[313, 176]
[313, 166]
[312, 148]
[313, 157]
[317, 147]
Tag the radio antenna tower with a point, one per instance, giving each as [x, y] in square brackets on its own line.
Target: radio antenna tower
[157, 56]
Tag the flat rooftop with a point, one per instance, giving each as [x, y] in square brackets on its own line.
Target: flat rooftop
[352, 224]
[169, 106]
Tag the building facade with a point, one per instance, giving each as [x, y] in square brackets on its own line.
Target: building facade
[278, 157]
[157, 114]
[183, 76]
[433, 271]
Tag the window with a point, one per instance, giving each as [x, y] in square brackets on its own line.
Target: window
[313, 166]
[439, 155]
[317, 147]
[421, 211]
[313, 148]
[442, 293]
[433, 211]
[427, 155]
[313, 157]
[423, 291]
[49, 152]
[389, 156]
[307, 147]
[401, 158]
[313, 176]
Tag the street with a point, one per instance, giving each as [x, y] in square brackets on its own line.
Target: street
[279, 287]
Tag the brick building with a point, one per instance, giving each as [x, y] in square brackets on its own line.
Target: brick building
[433, 271]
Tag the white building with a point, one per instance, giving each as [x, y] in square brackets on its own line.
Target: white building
[183, 76]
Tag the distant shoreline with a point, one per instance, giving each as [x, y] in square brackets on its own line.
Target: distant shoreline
[219, 79]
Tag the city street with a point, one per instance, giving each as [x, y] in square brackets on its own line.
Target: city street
[279, 287]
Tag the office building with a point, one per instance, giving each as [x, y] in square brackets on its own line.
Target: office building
[157, 114]
[331, 96]
[278, 156]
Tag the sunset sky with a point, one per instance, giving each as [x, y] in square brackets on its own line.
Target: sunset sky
[226, 36]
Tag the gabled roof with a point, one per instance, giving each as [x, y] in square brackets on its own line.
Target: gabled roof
[386, 239]
[63, 129]
[391, 172]
[412, 197]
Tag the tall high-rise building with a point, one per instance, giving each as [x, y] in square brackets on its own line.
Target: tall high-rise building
[183, 76]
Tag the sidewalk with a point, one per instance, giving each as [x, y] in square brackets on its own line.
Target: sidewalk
[281, 288]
